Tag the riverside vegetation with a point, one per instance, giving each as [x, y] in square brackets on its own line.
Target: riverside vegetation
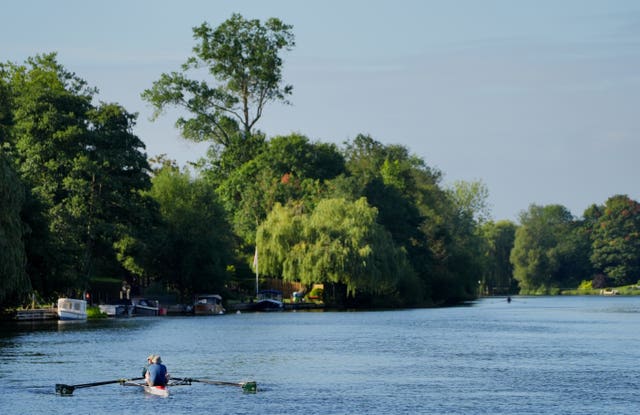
[81, 202]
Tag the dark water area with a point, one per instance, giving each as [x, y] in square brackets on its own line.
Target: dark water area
[548, 355]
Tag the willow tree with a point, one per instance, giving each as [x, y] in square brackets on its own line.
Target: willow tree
[14, 283]
[339, 243]
[242, 57]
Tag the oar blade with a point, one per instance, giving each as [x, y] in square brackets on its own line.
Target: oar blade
[63, 389]
[249, 387]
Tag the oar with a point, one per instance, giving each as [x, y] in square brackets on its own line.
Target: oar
[250, 386]
[63, 389]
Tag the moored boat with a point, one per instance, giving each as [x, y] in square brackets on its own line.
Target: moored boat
[268, 300]
[72, 309]
[122, 308]
[145, 307]
[208, 304]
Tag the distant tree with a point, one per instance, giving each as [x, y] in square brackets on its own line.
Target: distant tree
[498, 271]
[615, 235]
[243, 58]
[471, 197]
[545, 250]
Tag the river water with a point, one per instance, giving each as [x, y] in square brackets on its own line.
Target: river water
[546, 355]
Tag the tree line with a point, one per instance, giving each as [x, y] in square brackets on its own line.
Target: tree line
[80, 200]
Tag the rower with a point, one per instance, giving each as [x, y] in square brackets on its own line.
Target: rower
[157, 374]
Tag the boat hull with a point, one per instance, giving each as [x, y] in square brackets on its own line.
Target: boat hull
[144, 307]
[209, 304]
[157, 390]
[267, 305]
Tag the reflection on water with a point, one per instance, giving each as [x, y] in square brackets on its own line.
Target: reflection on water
[569, 355]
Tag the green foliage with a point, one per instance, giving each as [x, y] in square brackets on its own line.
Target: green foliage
[498, 237]
[471, 199]
[243, 58]
[83, 169]
[440, 240]
[14, 284]
[547, 252]
[196, 242]
[339, 242]
[94, 312]
[615, 236]
[288, 168]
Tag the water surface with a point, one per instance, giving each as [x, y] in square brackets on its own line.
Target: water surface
[549, 355]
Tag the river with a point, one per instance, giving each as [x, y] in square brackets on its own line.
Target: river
[542, 355]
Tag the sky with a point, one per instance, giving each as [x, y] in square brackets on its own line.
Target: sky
[538, 99]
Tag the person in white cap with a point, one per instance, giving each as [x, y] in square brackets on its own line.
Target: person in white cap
[157, 374]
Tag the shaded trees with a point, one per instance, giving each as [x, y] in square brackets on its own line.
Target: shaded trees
[546, 256]
[615, 236]
[84, 169]
[14, 284]
[195, 243]
[420, 216]
[497, 277]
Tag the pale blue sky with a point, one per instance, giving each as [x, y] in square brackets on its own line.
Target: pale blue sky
[538, 99]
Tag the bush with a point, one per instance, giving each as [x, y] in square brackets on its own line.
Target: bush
[94, 312]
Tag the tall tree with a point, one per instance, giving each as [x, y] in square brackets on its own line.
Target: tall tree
[471, 197]
[243, 58]
[198, 244]
[615, 235]
[499, 237]
[49, 106]
[105, 200]
[84, 169]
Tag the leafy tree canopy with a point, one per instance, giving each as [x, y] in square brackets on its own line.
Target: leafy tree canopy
[339, 242]
[243, 59]
[544, 256]
[615, 236]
